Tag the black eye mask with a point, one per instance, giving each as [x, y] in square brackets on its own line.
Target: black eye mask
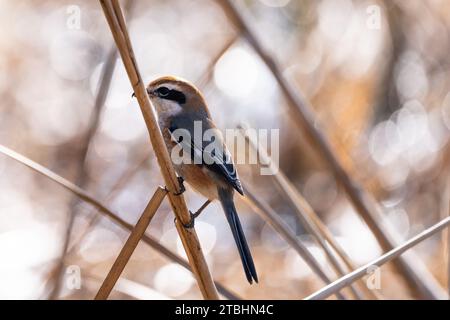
[174, 95]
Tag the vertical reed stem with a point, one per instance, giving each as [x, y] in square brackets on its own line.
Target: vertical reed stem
[190, 241]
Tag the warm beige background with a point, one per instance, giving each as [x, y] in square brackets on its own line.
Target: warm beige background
[381, 95]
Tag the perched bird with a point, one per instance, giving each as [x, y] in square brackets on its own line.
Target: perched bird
[210, 171]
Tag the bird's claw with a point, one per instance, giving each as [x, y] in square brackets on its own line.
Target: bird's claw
[182, 187]
[191, 223]
[195, 215]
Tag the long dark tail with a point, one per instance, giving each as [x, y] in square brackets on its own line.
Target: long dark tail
[226, 198]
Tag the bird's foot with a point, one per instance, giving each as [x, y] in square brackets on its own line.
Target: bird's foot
[182, 187]
[195, 215]
[191, 222]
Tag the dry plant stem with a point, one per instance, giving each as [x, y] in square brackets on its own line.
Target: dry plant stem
[302, 208]
[82, 194]
[130, 173]
[394, 253]
[268, 215]
[131, 244]
[201, 82]
[189, 237]
[415, 274]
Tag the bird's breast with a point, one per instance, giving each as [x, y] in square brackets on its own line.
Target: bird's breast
[196, 175]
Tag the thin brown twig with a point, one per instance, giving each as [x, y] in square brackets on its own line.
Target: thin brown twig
[131, 244]
[114, 16]
[394, 253]
[415, 274]
[103, 209]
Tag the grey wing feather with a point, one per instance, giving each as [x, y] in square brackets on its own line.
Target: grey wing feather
[214, 156]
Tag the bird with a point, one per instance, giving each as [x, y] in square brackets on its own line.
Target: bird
[210, 171]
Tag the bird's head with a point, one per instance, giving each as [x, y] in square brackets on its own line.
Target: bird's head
[172, 95]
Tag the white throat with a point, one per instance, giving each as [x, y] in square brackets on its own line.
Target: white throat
[166, 108]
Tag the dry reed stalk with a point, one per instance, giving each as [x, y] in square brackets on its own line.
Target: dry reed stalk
[103, 209]
[100, 98]
[131, 244]
[415, 274]
[153, 242]
[206, 76]
[301, 207]
[201, 82]
[394, 253]
[268, 215]
[189, 237]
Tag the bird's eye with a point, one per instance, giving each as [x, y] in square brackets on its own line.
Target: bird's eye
[163, 91]
[171, 94]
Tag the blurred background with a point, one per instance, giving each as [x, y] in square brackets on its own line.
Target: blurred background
[375, 72]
